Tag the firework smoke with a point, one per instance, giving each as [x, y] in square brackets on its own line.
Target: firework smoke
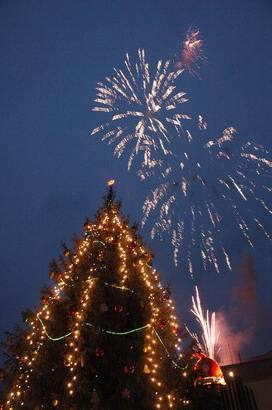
[244, 293]
[238, 325]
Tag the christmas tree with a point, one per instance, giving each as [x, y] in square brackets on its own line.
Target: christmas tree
[105, 335]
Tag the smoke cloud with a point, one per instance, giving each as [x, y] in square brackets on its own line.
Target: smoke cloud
[237, 326]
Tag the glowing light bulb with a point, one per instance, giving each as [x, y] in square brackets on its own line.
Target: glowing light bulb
[111, 182]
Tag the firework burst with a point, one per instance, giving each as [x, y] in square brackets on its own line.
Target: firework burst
[210, 336]
[192, 52]
[142, 109]
[206, 188]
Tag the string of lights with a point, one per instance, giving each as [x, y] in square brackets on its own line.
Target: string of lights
[72, 359]
[133, 263]
[36, 336]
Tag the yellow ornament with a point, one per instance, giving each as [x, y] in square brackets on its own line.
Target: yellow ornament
[146, 369]
[82, 361]
[67, 360]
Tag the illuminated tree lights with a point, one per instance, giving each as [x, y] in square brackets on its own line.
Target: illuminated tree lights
[97, 338]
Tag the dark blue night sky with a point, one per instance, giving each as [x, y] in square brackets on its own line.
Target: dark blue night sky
[53, 173]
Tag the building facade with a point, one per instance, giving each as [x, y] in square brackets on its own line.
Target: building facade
[249, 384]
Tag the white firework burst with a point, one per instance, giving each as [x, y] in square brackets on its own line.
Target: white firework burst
[210, 335]
[207, 189]
[142, 109]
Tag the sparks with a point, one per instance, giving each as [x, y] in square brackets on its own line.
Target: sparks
[207, 322]
[142, 109]
[192, 52]
[202, 189]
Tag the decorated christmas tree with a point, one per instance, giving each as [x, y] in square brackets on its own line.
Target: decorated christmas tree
[105, 335]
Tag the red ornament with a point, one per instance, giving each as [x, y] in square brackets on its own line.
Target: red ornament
[177, 330]
[44, 300]
[162, 323]
[126, 393]
[166, 294]
[94, 397]
[2, 376]
[99, 352]
[72, 311]
[133, 245]
[118, 308]
[129, 368]
[56, 276]
[86, 224]
[104, 307]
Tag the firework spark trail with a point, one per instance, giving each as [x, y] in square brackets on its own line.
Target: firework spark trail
[205, 190]
[192, 52]
[202, 185]
[143, 108]
[210, 335]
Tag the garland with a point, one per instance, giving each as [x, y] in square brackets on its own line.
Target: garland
[111, 332]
